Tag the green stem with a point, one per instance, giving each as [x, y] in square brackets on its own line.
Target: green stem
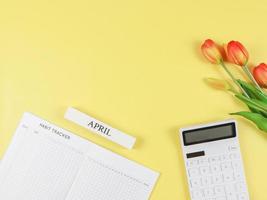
[250, 76]
[233, 78]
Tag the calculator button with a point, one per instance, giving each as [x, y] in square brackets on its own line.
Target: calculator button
[238, 175]
[215, 168]
[233, 156]
[219, 190]
[208, 192]
[240, 187]
[225, 157]
[192, 163]
[195, 183]
[221, 198]
[204, 170]
[197, 194]
[217, 179]
[231, 197]
[206, 181]
[226, 166]
[230, 190]
[236, 164]
[228, 177]
[193, 172]
[232, 148]
[203, 161]
[242, 197]
[214, 159]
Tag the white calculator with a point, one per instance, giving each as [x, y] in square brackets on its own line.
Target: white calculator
[213, 162]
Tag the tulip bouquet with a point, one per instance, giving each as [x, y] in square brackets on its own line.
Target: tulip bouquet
[250, 92]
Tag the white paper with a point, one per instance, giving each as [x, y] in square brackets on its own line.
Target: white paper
[45, 162]
[100, 128]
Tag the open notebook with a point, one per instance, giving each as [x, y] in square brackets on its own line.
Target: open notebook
[45, 162]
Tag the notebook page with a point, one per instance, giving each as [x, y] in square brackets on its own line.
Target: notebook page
[113, 184]
[47, 162]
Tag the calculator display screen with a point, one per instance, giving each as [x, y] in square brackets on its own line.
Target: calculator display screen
[208, 134]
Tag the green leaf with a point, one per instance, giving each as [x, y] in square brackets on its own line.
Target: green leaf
[254, 103]
[258, 119]
[248, 88]
[260, 102]
[252, 91]
[256, 109]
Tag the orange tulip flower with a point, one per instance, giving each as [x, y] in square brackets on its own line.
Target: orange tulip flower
[260, 74]
[237, 53]
[211, 51]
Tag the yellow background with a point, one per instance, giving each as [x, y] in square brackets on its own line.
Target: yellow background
[135, 65]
